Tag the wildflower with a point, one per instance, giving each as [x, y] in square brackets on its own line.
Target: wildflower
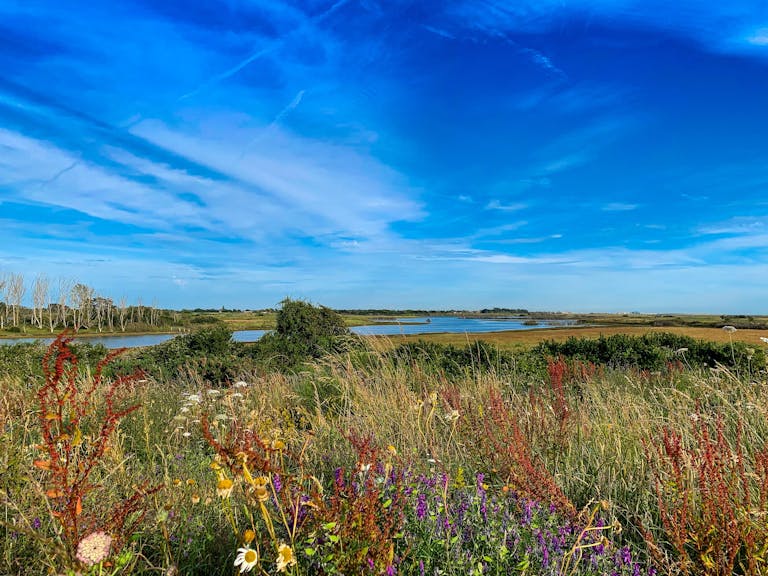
[729, 328]
[392, 450]
[285, 557]
[248, 536]
[246, 558]
[177, 481]
[452, 416]
[94, 548]
[36, 523]
[194, 398]
[184, 409]
[195, 498]
[681, 351]
[190, 481]
[260, 488]
[240, 384]
[764, 339]
[421, 506]
[220, 417]
[237, 395]
[278, 445]
[224, 487]
[186, 434]
[214, 392]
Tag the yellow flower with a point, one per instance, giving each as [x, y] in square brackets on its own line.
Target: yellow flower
[278, 445]
[248, 536]
[224, 487]
[285, 557]
[392, 450]
[246, 558]
[195, 498]
[260, 488]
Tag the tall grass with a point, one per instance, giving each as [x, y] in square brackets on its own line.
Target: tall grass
[402, 466]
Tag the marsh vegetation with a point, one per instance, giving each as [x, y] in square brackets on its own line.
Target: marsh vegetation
[318, 452]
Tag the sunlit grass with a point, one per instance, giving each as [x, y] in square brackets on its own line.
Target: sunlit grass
[358, 420]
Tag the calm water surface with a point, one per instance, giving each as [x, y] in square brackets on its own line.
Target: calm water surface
[452, 324]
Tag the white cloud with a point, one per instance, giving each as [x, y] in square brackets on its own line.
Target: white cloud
[619, 207]
[324, 188]
[497, 205]
[759, 37]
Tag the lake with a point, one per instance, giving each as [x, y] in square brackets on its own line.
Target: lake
[422, 325]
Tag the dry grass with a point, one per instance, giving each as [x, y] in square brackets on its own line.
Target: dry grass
[527, 338]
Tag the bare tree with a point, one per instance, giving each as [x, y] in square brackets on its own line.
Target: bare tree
[154, 314]
[101, 307]
[122, 308]
[39, 299]
[16, 290]
[3, 304]
[139, 311]
[64, 290]
[82, 304]
[110, 315]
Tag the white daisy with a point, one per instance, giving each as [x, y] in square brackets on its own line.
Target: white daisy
[246, 558]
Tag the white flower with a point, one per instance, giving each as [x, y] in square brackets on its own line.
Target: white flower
[246, 558]
[764, 339]
[184, 409]
[214, 392]
[240, 384]
[285, 557]
[194, 398]
[94, 548]
[729, 328]
[187, 434]
[237, 395]
[452, 416]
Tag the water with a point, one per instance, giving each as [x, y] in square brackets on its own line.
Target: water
[397, 326]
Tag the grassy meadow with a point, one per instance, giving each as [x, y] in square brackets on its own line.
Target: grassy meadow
[629, 454]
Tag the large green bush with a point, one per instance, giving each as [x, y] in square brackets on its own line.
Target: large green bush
[303, 332]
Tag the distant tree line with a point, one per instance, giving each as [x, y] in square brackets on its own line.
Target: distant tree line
[62, 304]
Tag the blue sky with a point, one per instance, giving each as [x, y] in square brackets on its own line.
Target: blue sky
[604, 155]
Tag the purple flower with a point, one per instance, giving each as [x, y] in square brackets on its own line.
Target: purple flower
[421, 567]
[391, 570]
[36, 523]
[421, 506]
[626, 555]
[277, 483]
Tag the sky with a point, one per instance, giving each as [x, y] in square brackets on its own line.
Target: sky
[585, 155]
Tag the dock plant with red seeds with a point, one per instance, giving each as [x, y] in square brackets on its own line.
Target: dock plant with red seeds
[76, 433]
[711, 499]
